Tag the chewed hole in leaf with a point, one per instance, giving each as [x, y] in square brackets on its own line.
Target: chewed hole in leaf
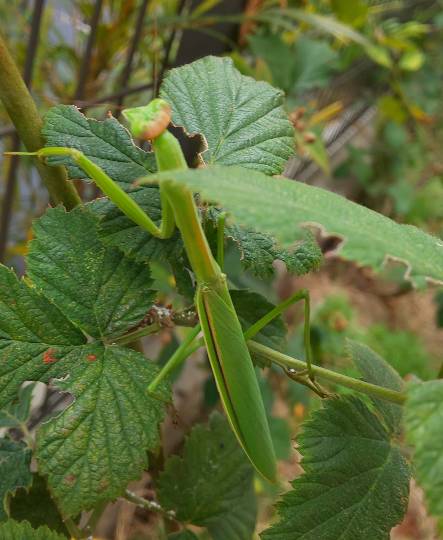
[192, 144]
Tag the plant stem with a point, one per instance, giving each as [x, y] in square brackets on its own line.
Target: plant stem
[22, 110]
[137, 334]
[148, 505]
[73, 530]
[94, 517]
[288, 362]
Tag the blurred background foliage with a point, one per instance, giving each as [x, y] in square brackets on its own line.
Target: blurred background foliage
[363, 81]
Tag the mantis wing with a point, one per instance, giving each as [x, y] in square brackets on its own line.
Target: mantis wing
[235, 376]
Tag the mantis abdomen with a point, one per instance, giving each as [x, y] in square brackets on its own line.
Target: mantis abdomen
[235, 375]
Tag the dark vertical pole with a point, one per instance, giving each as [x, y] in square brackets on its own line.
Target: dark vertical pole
[11, 179]
[86, 60]
[195, 44]
[127, 70]
[168, 47]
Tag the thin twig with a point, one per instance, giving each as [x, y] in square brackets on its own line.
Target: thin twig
[152, 506]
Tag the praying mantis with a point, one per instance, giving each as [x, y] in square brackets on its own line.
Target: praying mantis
[223, 337]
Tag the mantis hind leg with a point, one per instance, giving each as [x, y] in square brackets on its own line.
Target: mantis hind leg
[181, 353]
[302, 294]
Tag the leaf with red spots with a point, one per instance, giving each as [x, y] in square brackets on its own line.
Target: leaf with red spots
[33, 332]
[76, 287]
[96, 446]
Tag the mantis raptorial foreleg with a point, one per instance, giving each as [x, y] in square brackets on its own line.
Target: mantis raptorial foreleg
[227, 350]
[126, 204]
[225, 343]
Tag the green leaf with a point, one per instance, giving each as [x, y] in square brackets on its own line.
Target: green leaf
[259, 251]
[183, 535]
[98, 288]
[107, 143]
[17, 412]
[377, 371]
[96, 446]
[211, 485]
[90, 454]
[329, 25]
[242, 120]
[36, 341]
[281, 437]
[412, 60]
[117, 230]
[280, 430]
[368, 238]
[405, 351]
[353, 14]
[11, 530]
[315, 149]
[314, 61]
[15, 460]
[279, 57]
[250, 307]
[355, 484]
[424, 420]
[37, 506]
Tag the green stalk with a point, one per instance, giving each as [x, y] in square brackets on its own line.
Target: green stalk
[22, 110]
[287, 362]
[130, 337]
[73, 530]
